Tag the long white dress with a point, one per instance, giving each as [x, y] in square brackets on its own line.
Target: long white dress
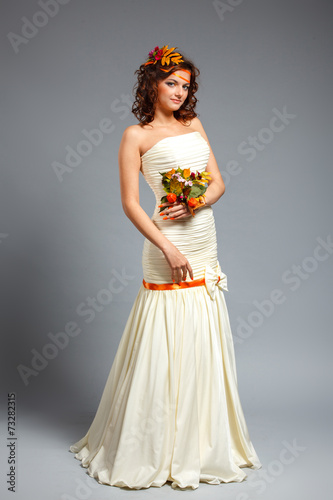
[170, 410]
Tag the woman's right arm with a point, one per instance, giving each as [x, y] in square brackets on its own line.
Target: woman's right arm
[129, 170]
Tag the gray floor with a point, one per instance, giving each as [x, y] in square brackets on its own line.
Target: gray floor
[47, 470]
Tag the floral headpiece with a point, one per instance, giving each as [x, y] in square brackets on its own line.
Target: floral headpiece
[164, 55]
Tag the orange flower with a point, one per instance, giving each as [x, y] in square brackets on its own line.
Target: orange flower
[171, 197]
[192, 202]
[170, 173]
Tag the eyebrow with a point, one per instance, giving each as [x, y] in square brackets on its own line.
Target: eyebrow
[176, 81]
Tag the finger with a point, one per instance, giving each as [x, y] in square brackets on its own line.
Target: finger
[190, 271]
[172, 207]
[179, 275]
[164, 211]
[182, 216]
[165, 204]
[170, 214]
[176, 211]
[176, 276]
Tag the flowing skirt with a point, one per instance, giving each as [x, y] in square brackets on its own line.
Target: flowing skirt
[170, 410]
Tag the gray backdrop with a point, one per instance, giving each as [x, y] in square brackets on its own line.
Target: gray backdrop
[265, 100]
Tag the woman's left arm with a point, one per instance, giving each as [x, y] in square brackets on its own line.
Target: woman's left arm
[214, 190]
[216, 187]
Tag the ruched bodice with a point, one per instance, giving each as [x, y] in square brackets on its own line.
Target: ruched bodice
[185, 151]
[194, 236]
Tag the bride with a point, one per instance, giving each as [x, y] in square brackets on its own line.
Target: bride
[170, 409]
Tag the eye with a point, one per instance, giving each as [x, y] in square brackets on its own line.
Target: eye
[171, 84]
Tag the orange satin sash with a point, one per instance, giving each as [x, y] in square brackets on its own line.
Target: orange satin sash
[175, 286]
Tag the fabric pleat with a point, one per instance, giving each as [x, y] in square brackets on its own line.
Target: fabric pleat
[170, 409]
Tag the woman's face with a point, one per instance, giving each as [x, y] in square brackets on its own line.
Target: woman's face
[173, 91]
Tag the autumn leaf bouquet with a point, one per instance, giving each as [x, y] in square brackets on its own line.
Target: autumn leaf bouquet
[186, 187]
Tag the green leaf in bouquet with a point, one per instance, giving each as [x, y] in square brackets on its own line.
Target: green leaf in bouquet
[164, 199]
[196, 190]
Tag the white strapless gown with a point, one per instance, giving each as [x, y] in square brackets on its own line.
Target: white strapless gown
[170, 410]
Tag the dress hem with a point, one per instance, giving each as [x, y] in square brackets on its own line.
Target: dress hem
[204, 478]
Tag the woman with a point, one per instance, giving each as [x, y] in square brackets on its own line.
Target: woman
[170, 410]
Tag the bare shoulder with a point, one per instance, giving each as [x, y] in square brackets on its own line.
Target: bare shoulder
[197, 126]
[132, 133]
[195, 122]
[131, 140]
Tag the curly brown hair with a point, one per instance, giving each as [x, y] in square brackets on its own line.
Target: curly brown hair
[145, 91]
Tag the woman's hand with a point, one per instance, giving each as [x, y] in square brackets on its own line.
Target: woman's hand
[178, 263]
[174, 210]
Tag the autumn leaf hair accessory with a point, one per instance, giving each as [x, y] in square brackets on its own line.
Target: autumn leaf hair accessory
[165, 55]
